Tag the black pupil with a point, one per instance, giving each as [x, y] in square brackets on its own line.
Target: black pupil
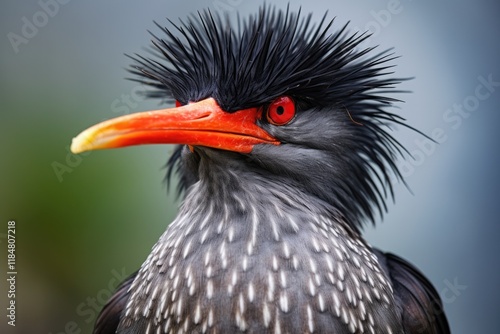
[280, 110]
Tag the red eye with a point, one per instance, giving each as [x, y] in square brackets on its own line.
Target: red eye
[178, 104]
[281, 111]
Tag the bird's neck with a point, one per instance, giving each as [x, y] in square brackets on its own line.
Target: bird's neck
[241, 237]
[233, 200]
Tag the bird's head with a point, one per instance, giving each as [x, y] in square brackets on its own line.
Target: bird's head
[275, 93]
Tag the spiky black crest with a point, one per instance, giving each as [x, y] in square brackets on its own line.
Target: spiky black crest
[264, 57]
[250, 62]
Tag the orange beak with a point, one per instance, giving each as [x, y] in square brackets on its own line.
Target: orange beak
[202, 123]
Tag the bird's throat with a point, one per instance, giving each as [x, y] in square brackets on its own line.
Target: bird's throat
[274, 258]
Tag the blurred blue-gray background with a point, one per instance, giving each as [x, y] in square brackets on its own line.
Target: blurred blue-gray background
[85, 222]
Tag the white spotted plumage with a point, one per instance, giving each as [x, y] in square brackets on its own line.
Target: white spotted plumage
[339, 277]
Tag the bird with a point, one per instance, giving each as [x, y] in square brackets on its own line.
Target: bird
[284, 150]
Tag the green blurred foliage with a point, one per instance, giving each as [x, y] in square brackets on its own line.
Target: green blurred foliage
[91, 220]
[80, 221]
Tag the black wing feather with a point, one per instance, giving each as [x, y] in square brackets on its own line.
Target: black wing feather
[110, 315]
[421, 307]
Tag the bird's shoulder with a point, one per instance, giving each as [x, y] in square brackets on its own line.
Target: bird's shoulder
[109, 318]
[421, 307]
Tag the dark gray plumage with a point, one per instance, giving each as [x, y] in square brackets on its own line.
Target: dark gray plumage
[270, 241]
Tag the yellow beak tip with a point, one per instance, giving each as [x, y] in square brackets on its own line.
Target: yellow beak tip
[80, 144]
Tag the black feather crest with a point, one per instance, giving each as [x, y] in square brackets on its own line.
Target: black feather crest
[266, 56]
[279, 53]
